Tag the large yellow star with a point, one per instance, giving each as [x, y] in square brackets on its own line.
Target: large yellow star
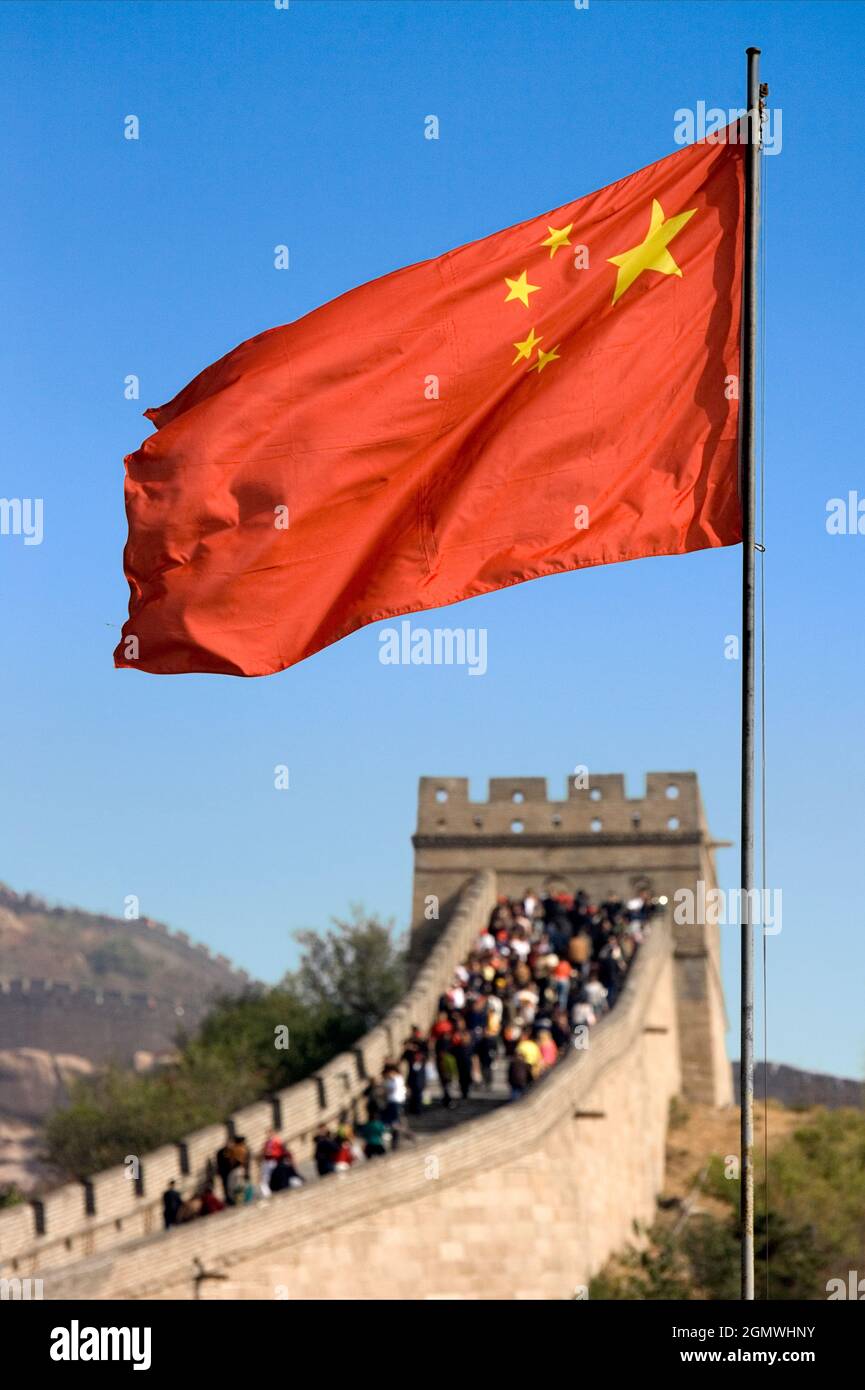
[652, 253]
[557, 238]
[544, 358]
[520, 289]
[526, 347]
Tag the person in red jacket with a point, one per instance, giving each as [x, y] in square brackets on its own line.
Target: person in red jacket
[269, 1157]
[210, 1202]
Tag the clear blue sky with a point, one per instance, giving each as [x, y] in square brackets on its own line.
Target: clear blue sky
[154, 257]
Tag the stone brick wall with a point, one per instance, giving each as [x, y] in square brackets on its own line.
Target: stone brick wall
[72, 1014]
[78, 1221]
[527, 1202]
[101, 1025]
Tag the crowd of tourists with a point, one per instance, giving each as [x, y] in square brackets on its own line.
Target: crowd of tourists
[542, 973]
[233, 1167]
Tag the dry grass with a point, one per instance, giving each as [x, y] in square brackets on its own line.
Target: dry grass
[699, 1131]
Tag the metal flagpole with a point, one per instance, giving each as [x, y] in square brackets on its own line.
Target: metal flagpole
[748, 433]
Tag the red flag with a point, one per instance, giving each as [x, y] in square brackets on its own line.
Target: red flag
[560, 394]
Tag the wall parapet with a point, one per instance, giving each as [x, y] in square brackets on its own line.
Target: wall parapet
[63, 991]
[480, 1144]
[103, 1025]
[59, 1228]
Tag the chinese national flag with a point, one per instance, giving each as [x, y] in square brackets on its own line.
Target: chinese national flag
[560, 394]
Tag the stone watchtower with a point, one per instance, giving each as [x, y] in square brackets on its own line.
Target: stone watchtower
[598, 840]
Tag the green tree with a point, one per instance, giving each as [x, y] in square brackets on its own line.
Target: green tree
[792, 1253]
[118, 957]
[655, 1270]
[358, 971]
[247, 1047]
[274, 1035]
[118, 1113]
[812, 1230]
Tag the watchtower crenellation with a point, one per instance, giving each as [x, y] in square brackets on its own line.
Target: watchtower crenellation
[594, 805]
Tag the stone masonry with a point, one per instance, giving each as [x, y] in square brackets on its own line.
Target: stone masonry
[427, 1222]
[526, 1202]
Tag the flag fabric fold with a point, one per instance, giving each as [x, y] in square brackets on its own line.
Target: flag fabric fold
[560, 394]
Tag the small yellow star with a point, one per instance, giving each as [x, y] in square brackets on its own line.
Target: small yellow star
[652, 253]
[557, 238]
[526, 347]
[544, 358]
[520, 289]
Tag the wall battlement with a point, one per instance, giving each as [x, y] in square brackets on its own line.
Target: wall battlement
[520, 806]
[102, 1025]
[60, 991]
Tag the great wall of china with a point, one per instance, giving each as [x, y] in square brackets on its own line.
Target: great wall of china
[102, 1025]
[428, 1220]
[105, 1025]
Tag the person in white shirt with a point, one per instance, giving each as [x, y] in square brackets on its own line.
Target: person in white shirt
[596, 994]
[394, 1087]
[495, 1005]
[395, 1097]
[583, 1016]
[520, 946]
[527, 1005]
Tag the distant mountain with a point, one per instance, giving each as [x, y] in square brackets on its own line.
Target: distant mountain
[40, 942]
[798, 1088]
[78, 990]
